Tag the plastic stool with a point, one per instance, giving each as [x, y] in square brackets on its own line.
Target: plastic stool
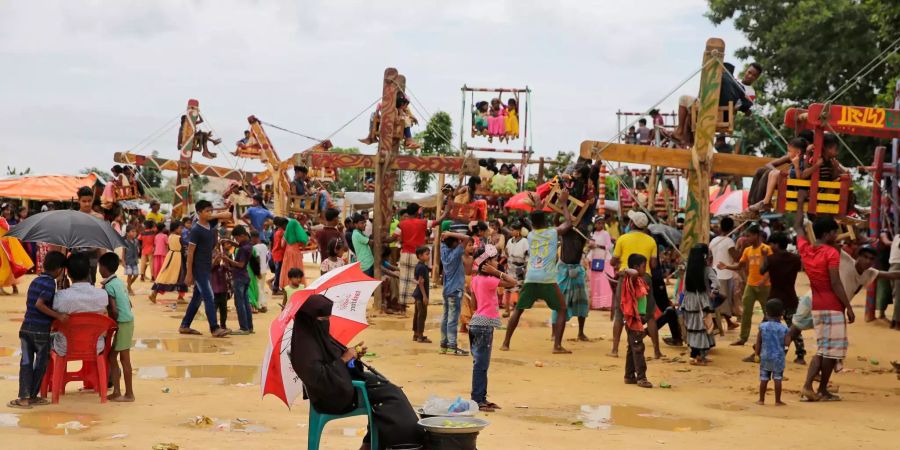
[318, 420]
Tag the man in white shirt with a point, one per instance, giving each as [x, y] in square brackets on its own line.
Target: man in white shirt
[723, 250]
[81, 297]
[754, 70]
[859, 273]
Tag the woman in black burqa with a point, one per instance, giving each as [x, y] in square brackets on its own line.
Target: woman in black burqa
[321, 362]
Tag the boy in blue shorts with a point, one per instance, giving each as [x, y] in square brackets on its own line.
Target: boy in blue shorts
[771, 341]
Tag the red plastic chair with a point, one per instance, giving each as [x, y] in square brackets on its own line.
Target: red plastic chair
[81, 332]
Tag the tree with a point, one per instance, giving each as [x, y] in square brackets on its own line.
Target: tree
[103, 174]
[349, 179]
[809, 50]
[563, 160]
[198, 183]
[12, 172]
[151, 176]
[435, 140]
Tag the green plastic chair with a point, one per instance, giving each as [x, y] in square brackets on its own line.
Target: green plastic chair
[318, 420]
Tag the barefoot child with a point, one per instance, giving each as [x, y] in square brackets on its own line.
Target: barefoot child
[160, 249]
[147, 235]
[540, 278]
[220, 279]
[132, 256]
[485, 319]
[422, 272]
[770, 347]
[34, 333]
[699, 280]
[121, 312]
[634, 307]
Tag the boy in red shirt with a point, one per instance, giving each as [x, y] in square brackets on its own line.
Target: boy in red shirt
[829, 301]
[147, 236]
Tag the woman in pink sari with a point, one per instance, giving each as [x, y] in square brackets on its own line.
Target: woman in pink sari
[601, 270]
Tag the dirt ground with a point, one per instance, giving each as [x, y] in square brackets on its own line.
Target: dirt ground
[549, 401]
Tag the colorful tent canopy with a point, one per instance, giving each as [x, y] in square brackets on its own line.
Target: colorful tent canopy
[45, 187]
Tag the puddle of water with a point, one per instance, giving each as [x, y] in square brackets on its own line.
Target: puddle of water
[182, 345]
[229, 374]
[49, 422]
[10, 351]
[604, 417]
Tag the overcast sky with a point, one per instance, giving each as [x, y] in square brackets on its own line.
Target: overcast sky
[84, 79]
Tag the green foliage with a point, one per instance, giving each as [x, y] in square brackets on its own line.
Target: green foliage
[164, 194]
[808, 50]
[12, 172]
[348, 179]
[198, 183]
[103, 174]
[563, 160]
[435, 140]
[151, 177]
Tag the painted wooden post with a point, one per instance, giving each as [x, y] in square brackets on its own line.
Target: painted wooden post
[696, 212]
[182, 203]
[391, 133]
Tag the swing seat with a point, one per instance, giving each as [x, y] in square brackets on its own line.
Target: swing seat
[575, 206]
[304, 204]
[724, 118]
[463, 212]
[249, 151]
[125, 192]
[825, 202]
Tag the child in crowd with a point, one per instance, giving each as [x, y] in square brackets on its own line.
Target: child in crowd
[295, 283]
[132, 256]
[335, 250]
[171, 275]
[758, 284]
[486, 318]
[390, 286]
[120, 311]
[697, 305]
[634, 307]
[770, 346]
[147, 236]
[34, 334]
[220, 278]
[241, 278]
[452, 247]
[160, 249]
[516, 261]
[467, 308]
[421, 274]
[259, 270]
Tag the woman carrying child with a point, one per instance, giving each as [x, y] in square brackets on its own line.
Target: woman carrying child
[486, 317]
[700, 278]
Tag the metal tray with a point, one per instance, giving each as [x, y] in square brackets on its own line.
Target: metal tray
[435, 424]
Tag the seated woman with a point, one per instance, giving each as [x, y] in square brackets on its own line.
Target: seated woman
[766, 179]
[465, 195]
[479, 118]
[324, 366]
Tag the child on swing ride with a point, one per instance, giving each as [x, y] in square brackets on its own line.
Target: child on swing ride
[479, 118]
[497, 120]
[512, 119]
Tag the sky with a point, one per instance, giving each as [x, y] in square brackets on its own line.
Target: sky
[85, 79]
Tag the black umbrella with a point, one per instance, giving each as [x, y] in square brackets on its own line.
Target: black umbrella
[70, 229]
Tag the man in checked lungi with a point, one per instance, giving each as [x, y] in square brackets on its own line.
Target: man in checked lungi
[830, 302]
[571, 276]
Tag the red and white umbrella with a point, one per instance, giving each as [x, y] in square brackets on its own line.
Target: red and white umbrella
[350, 290]
[734, 202]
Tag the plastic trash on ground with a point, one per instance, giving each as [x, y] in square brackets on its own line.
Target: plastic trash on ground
[437, 406]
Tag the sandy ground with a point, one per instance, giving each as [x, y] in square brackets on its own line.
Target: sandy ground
[178, 378]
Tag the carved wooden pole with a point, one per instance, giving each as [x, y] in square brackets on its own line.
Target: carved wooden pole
[390, 134]
[696, 211]
[182, 202]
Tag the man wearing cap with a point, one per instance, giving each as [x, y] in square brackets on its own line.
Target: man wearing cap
[154, 214]
[257, 215]
[411, 231]
[635, 241]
